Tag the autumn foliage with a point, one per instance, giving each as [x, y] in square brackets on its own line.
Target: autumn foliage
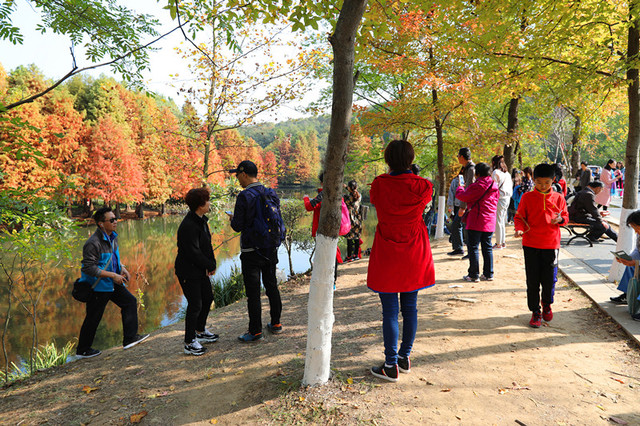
[97, 140]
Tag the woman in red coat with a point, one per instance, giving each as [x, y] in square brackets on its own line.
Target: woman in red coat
[401, 261]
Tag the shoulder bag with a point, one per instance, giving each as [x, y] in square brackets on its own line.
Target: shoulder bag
[82, 290]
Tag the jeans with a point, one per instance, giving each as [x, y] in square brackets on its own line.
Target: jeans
[456, 229]
[256, 263]
[501, 219]
[474, 239]
[390, 332]
[95, 309]
[626, 277]
[199, 297]
[540, 266]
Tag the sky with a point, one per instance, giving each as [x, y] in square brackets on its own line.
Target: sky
[50, 53]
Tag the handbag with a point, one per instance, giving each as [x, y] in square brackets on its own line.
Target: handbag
[345, 220]
[82, 290]
[633, 291]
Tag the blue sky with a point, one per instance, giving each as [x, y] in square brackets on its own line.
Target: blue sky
[50, 53]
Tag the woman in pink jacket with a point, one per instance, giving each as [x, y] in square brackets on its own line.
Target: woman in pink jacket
[609, 177]
[482, 204]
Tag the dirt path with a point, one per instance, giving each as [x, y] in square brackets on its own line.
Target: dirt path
[473, 363]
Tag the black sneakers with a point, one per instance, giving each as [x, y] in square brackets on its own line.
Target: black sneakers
[458, 252]
[139, 338]
[207, 337]
[404, 364]
[250, 337]
[88, 353]
[194, 348]
[619, 300]
[275, 328]
[385, 372]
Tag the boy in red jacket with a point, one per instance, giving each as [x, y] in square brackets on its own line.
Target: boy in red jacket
[540, 214]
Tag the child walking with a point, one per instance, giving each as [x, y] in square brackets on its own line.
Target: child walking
[540, 214]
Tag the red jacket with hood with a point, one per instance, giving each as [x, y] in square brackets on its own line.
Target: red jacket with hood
[401, 259]
[534, 215]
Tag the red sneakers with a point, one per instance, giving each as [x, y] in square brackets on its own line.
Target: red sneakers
[536, 320]
[547, 313]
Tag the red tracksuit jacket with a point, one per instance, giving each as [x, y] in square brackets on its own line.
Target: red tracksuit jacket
[534, 215]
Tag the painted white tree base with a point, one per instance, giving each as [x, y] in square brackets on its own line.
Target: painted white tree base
[440, 222]
[317, 367]
[626, 242]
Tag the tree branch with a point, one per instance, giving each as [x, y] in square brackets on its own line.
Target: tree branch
[75, 70]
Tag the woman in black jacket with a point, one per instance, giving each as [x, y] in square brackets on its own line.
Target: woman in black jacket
[195, 263]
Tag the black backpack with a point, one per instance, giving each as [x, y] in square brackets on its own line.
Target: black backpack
[268, 227]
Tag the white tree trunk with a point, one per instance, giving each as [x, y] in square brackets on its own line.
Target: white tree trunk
[626, 242]
[440, 224]
[317, 367]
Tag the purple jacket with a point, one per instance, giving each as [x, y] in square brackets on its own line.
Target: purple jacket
[482, 201]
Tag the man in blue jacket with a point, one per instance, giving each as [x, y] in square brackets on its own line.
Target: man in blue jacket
[256, 260]
[101, 263]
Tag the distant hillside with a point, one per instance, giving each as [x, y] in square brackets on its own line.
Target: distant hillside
[265, 133]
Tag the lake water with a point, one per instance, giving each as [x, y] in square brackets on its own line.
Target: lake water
[148, 249]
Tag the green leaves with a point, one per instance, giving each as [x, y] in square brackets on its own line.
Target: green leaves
[7, 30]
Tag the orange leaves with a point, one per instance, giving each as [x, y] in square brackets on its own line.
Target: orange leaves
[137, 418]
[88, 389]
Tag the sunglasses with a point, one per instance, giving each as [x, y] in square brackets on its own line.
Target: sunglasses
[113, 220]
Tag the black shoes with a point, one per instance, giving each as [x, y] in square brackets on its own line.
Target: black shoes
[250, 337]
[404, 365]
[88, 353]
[386, 373]
[194, 348]
[275, 328]
[139, 338]
[458, 252]
[619, 300]
[207, 337]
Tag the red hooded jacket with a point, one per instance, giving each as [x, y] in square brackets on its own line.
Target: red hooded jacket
[401, 259]
[534, 215]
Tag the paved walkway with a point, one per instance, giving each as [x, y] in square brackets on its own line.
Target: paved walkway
[588, 267]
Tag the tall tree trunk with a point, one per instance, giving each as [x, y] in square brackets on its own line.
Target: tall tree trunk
[320, 307]
[512, 146]
[117, 210]
[630, 199]
[441, 176]
[575, 146]
[140, 210]
[163, 209]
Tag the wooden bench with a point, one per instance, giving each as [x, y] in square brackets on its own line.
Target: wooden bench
[578, 230]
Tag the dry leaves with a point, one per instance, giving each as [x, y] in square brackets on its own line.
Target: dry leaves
[137, 418]
[89, 389]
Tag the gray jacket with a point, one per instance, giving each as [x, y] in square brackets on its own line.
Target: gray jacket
[469, 174]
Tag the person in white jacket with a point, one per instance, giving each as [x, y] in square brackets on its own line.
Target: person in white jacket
[502, 177]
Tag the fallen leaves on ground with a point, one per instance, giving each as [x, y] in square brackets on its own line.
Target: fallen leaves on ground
[89, 389]
[158, 395]
[137, 418]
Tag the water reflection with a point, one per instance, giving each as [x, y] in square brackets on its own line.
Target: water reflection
[148, 249]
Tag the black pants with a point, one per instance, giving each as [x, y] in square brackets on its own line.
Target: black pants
[597, 228]
[199, 296]
[540, 267]
[254, 264]
[353, 246]
[457, 228]
[95, 309]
